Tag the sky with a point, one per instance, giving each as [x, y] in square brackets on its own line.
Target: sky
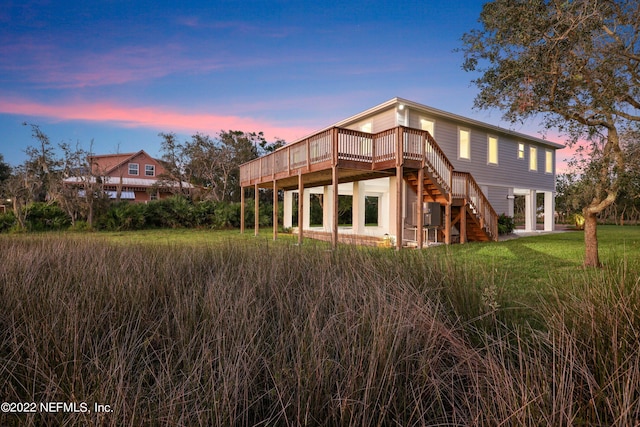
[110, 75]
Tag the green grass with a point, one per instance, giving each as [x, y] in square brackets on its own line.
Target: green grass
[185, 327]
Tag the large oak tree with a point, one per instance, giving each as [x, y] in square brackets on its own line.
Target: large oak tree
[575, 64]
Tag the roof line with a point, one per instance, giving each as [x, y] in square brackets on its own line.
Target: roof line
[437, 112]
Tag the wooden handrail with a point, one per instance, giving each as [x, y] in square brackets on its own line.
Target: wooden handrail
[465, 186]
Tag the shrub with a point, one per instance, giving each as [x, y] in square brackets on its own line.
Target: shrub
[123, 216]
[506, 224]
[7, 220]
[80, 226]
[45, 216]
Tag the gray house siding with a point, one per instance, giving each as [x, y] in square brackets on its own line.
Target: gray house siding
[510, 171]
[498, 198]
[498, 181]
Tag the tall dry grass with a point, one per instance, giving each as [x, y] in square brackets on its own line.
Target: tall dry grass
[248, 333]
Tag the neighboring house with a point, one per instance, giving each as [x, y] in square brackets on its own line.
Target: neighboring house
[132, 176]
[408, 167]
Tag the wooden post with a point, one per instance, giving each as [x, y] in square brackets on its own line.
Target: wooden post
[300, 206]
[399, 182]
[447, 221]
[420, 207]
[463, 222]
[334, 234]
[256, 210]
[241, 210]
[275, 210]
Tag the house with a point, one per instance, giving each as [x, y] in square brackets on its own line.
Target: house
[411, 174]
[137, 177]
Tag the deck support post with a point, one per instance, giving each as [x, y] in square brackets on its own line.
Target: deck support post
[300, 207]
[399, 184]
[241, 210]
[256, 210]
[463, 222]
[447, 222]
[399, 202]
[334, 223]
[420, 205]
[275, 210]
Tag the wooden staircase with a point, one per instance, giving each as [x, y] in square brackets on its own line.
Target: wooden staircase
[471, 212]
[473, 224]
[432, 192]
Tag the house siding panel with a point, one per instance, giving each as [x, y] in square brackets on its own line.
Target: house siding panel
[381, 121]
[498, 198]
[509, 169]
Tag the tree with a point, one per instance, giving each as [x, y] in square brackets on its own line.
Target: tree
[215, 163]
[575, 65]
[176, 164]
[42, 167]
[5, 170]
[80, 192]
[5, 174]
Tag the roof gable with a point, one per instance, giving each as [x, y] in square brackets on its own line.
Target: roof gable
[106, 164]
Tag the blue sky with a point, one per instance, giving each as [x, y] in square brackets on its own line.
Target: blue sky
[118, 72]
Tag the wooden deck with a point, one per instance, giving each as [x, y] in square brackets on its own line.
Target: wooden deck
[339, 155]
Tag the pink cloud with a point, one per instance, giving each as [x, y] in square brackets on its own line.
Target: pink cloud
[164, 120]
[48, 65]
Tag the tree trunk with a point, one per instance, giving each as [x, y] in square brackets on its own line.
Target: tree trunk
[591, 258]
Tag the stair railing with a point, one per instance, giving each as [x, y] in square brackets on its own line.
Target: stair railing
[465, 186]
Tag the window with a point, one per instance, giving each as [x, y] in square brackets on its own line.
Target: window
[492, 150]
[533, 158]
[149, 170]
[371, 209]
[153, 195]
[345, 210]
[133, 168]
[521, 150]
[548, 161]
[429, 126]
[464, 144]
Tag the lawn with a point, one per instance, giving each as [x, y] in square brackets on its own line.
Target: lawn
[526, 265]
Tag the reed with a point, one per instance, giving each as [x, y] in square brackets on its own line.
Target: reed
[247, 332]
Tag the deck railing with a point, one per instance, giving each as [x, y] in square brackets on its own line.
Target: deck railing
[384, 144]
[353, 146]
[466, 187]
[437, 162]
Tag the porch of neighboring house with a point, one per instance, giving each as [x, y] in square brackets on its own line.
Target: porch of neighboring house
[337, 155]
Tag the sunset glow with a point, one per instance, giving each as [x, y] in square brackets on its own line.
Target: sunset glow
[115, 74]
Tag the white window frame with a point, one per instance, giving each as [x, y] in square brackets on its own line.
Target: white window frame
[520, 150]
[490, 139]
[548, 161]
[533, 158]
[429, 125]
[134, 167]
[468, 148]
[148, 168]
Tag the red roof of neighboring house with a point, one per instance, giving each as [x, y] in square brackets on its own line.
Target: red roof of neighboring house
[105, 164]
